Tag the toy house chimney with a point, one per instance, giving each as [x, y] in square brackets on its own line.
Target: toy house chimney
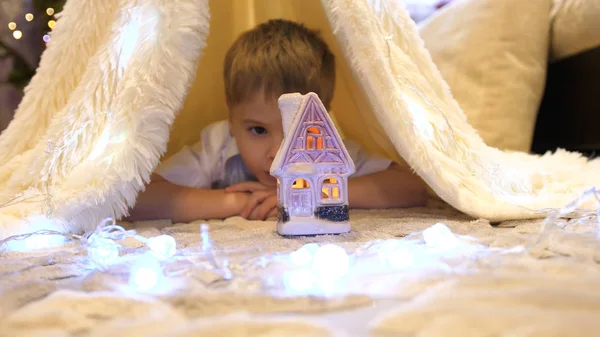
[289, 104]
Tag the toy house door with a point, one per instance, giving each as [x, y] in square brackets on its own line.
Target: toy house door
[302, 203]
[301, 200]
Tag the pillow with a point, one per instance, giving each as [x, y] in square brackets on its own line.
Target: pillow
[493, 55]
[575, 27]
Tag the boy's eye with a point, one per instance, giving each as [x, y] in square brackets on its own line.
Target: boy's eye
[258, 130]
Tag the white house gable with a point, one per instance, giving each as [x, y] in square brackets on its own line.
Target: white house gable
[314, 139]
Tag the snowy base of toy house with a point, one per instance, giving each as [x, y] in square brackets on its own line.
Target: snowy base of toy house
[325, 220]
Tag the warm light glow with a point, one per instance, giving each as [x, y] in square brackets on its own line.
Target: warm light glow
[310, 140]
[330, 189]
[51, 24]
[46, 38]
[330, 181]
[50, 11]
[12, 26]
[300, 183]
[327, 191]
[310, 143]
[17, 34]
[29, 17]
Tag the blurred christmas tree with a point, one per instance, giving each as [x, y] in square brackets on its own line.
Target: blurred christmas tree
[24, 29]
[28, 24]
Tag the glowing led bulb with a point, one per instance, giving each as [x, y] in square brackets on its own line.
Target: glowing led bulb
[102, 251]
[162, 246]
[50, 11]
[17, 34]
[331, 262]
[51, 24]
[29, 17]
[311, 247]
[396, 254]
[146, 274]
[301, 257]
[304, 255]
[46, 38]
[12, 26]
[440, 236]
[299, 281]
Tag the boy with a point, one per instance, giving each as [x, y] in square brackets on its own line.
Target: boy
[227, 172]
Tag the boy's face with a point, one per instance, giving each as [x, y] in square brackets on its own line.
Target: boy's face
[256, 126]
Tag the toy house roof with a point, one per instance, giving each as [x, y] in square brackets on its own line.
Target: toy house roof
[294, 110]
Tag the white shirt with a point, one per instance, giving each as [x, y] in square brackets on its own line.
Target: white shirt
[215, 162]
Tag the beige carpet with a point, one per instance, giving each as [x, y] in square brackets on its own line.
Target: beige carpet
[539, 288]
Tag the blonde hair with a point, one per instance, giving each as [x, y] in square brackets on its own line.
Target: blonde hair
[279, 57]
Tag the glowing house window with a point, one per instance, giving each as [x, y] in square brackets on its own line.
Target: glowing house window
[314, 139]
[330, 189]
[300, 184]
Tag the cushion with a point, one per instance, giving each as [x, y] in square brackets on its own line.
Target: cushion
[493, 54]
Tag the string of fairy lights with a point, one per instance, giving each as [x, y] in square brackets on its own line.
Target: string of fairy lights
[312, 269]
[316, 269]
[106, 248]
[29, 17]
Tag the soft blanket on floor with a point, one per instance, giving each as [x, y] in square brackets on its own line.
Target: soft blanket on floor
[515, 282]
[95, 119]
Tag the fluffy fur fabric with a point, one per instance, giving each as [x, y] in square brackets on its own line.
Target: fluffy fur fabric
[96, 117]
[416, 108]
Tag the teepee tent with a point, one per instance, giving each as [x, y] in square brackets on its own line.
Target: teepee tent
[101, 110]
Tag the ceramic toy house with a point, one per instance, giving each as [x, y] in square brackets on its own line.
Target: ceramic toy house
[312, 168]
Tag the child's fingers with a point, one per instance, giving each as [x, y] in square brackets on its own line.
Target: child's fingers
[255, 199]
[273, 212]
[248, 186]
[241, 187]
[266, 207]
[253, 215]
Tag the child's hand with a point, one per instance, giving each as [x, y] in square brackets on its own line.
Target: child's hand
[262, 202]
[260, 206]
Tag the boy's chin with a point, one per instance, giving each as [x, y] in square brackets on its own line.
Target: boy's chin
[268, 180]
